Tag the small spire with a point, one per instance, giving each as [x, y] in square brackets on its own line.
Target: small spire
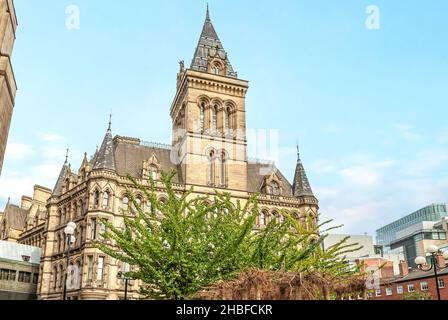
[207, 17]
[110, 121]
[9, 199]
[66, 154]
[298, 151]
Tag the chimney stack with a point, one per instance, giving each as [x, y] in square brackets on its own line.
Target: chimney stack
[404, 268]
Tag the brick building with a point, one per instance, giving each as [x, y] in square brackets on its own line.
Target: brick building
[410, 281]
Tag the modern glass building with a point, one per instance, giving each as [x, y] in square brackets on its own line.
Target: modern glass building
[387, 234]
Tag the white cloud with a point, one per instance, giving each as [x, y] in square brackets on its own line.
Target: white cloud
[50, 137]
[366, 175]
[18, 151]
[406, 132]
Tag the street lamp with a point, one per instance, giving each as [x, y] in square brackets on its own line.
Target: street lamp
[122, 275]
[69, 238]
[422, 264]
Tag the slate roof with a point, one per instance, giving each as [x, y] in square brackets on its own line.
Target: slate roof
[57, 190]
[105, 157]
[15, 216]
[414, 274]
[256, 173]
[301, 186]
[130, 153]
[210, 45]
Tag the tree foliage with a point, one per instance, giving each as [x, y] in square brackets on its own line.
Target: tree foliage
[189, 242]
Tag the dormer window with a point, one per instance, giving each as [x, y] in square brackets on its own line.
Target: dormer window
[216, 70]
[273, 188]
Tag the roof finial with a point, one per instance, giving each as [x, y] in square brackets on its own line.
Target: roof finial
[110, 121]
[66, 154]
[208, 14]
[298, 151]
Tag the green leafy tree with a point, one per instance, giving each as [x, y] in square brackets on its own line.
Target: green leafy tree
[188, 242]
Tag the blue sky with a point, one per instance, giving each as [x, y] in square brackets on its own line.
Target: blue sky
[368, 106]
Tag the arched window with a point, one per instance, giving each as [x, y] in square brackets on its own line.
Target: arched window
[125, 203]
[106, 199]
[79, 213]
[201, 116]
[153, 171]
[96, 199]
[216, 69]
[61, 278]
[262, 219]
[211, 168]
[227, 115]
[223, 169]
[67, 184]
[215, 118]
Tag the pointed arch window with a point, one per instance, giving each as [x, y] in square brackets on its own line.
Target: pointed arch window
[201, 116]
[223, 169]
[153, 171]
[125, 203]
[211, 168]
[263, 218]
[227, 118]
[215, 118]
[106, 200]
[96, 199]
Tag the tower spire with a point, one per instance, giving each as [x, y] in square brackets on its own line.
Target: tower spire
[66, 154]
[301, 186]
[207, 17]
[210, 46]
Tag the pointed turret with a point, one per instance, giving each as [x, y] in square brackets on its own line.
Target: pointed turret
[62, 175]
[210, 47]
[301, 186]
[105, 158]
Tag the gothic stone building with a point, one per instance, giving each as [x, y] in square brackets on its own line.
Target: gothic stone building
[208, 152]
[8, 25]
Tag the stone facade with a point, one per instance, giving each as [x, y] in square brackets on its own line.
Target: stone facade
[8, 87]
[208, 153]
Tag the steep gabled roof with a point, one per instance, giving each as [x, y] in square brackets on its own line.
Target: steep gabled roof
[57, 190]
[301, 186]
[210, 46]
[105, 158]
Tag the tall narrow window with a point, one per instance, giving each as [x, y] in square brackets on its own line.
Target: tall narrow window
[93, 229]
[223, 169]
[102, 229]
[100, 269]
[211, 168]
[106, 199]
[55, 277]
[96, 199]
[125, 203]
[215, 118]
[262, 219]
[89, 268]
[201, 116]
[61, 276]
[227, 118]
[153, 172]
